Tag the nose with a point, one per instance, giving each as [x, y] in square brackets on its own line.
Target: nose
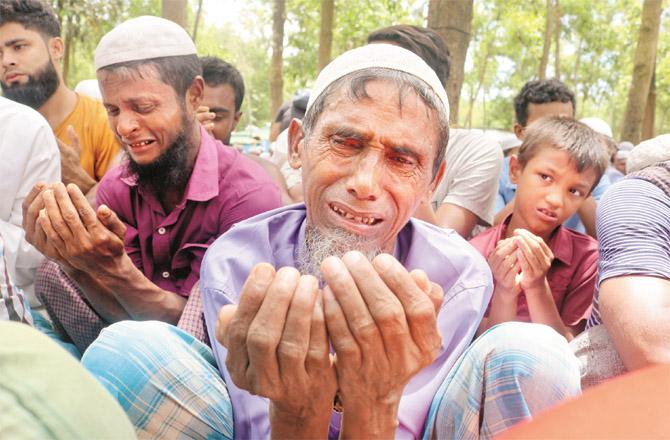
[364, 182]
[126, 124]
[554, 198]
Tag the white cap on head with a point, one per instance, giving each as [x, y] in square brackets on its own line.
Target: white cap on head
[598, 125]
[378, 55]
[648, 153]
[143, 38]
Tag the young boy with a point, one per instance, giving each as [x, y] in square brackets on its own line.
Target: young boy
[544, 272]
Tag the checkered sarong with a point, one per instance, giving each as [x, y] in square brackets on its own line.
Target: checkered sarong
[192, 319]
[507, 375]
[71, 315]
[165, 379]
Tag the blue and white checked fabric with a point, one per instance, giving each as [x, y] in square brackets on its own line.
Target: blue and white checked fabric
[164, 378]
[511, 372]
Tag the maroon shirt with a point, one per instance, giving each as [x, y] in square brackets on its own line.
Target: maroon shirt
[224, 188]
[572, 275]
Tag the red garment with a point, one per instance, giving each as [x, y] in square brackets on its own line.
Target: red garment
[572, 276]
[224, 188]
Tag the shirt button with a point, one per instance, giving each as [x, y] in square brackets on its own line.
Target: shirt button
[166, 274]
[161, 231]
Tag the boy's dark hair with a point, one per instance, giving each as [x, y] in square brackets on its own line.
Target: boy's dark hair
[178, 71]
[35, 15]
[541, 91]
[584, 146]
[217, 72]
[424, 42]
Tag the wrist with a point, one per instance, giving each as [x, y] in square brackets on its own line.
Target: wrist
[505, 295]
[365, 419]
[539, 287]
[288, 424]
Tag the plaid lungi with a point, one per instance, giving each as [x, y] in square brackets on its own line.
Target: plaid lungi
[508, 374]
[164, 378]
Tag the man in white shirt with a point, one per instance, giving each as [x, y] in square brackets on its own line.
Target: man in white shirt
[29, 155]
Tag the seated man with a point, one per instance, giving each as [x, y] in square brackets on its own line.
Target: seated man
[222, 105]
[178, 191]
[544, 272]
[537, 99]
[30, 155]
[398, 299]
[31, 74]
[629, 328]
[465, 197]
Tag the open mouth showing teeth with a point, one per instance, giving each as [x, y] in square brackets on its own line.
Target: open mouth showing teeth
[141, 144]
[548, 213]
[363, 220]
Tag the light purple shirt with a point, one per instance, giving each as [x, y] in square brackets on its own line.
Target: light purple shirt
[224, 188]
[276, 237]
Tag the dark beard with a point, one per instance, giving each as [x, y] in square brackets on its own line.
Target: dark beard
[169, 171]
[39, 88]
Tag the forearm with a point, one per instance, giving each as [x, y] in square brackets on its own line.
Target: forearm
[287, 426]
[635, 310]
[425, 212]
[503, 309]
[377, 420]
[542, 309]
[457, 218]
[98, 295]
[138, 295]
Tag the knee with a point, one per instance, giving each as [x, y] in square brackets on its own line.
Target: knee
[533, 353]
[47, 280]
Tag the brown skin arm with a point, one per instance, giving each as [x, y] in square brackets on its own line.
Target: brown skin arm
[635, 310]
[448, 215]
[587, 214]
[91, 243]
[503, 213]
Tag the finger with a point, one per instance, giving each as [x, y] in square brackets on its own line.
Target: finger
[344, 343]
[318, 355]
[526, 269]
[339, 278]
[111, 221]
[540, 249]
[53, 238]
[223, 323]
[53, 211]
[419, 310]
[203, 109]
[265, 331]
[434, 291]
[251, 297]
[84, 209]
[74, 139]
[531, 258]
[294, 344]
[31, 212]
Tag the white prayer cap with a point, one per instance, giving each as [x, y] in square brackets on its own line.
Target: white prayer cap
[143, 38]
[598, 125]
[648, 153]
[378, 55]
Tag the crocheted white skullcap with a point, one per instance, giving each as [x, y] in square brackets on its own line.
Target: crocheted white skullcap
[143, 38]
[648, 153]
[378, 55]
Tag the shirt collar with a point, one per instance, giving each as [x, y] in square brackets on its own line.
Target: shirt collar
[560, 242]
[203, 184]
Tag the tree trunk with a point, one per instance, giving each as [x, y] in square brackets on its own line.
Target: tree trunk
[648, 131]
[542, 72]
[69, 48]
[326, 33]
[276, 78]
[557, 32]
[174, 10]
[453, 21]
[197, 21]
[643, 68]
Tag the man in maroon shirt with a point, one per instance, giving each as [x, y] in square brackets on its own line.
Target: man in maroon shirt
[139, 255]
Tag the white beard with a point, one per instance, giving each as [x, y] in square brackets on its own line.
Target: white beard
[320, 245]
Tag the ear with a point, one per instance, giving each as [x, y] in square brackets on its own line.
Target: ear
[56, 48]
[195, 94]
[515, 168]
[438, 177]
[296, 143]
[519, 131]
[236, 120]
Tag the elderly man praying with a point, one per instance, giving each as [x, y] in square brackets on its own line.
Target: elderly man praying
[343, 315]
